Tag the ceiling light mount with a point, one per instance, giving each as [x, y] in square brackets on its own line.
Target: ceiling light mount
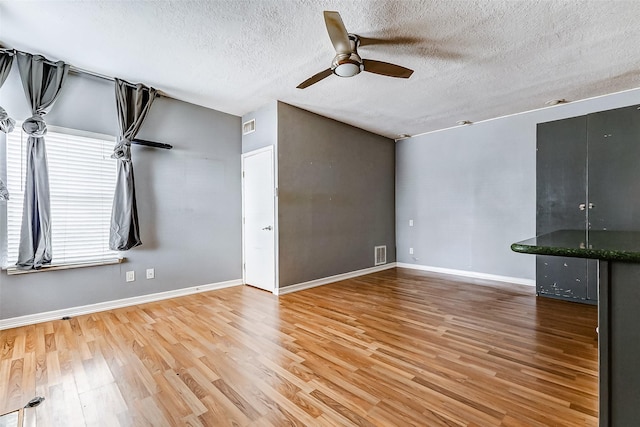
[552, 102]
[464, 122]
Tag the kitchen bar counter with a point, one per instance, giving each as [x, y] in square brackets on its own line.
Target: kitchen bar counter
[603, 245]
[618, 254]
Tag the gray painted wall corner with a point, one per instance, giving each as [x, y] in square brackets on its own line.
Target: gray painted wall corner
[266, 128]
[336, 196]
[471, 191]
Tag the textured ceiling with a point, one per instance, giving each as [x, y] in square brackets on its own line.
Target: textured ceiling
[473, 60]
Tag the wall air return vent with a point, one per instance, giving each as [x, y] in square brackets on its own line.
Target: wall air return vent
[380, 255]
[248, 127]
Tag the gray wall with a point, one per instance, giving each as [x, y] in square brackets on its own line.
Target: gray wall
[336, 196]
[266, 132]
[189, 202]
[471, 190]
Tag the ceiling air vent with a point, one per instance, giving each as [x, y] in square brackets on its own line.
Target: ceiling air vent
[248, 127]
[380, 255]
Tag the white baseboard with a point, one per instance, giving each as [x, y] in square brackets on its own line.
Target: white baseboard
[471, 274]
[31, 319]
[331, 279]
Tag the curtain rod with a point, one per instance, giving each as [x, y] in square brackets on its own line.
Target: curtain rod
[74, 69]
[152, 144]
[78, 70]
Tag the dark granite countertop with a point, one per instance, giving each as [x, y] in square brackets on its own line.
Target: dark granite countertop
[605, 245]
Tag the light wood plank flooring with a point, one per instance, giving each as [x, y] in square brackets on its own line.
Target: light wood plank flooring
[398, 347]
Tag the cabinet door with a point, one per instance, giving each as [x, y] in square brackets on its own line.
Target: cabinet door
[614, 169]
[561, 182]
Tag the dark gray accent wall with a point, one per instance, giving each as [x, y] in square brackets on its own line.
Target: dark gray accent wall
[471, 190]
[189, 202]
[336, 196]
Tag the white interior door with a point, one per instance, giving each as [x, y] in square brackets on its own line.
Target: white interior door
[259, 214]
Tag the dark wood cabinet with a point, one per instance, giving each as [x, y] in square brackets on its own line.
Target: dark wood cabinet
[587, 178]
[614, 169]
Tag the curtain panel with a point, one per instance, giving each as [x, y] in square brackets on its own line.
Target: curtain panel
[42, 81]
[6, 123]
[6, 61]
[133, 102]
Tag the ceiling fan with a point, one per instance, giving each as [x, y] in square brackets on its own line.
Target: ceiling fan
[347, 62]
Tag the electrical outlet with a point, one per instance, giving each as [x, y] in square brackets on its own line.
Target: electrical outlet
[131, 276]
[151, 273]
[410, 251]
[410, 223]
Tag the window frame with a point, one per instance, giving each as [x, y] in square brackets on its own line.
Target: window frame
[113, 257]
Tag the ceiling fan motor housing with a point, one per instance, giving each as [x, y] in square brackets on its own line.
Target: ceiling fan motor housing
[348, 64]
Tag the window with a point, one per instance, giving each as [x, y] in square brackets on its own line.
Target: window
[82, 180]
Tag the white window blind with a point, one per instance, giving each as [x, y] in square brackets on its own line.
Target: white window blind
[82, 180]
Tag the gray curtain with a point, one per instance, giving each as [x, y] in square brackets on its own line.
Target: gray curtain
[42, 81]
[132, 103]
[6, 123]
[4, 193]
[6, 60]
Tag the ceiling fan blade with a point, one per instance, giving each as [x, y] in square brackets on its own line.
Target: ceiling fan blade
[386, 69]
[337, 32]
[371, 41]
[315, 78]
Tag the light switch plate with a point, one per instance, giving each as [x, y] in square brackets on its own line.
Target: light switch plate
[131, 276]
[151, 273]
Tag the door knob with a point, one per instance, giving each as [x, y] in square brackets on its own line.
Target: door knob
[582, 206]
[591, 206]
[268, 228]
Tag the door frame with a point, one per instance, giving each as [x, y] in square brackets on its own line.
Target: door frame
[274, 165]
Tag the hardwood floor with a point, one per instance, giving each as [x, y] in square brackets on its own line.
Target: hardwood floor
[398, 347]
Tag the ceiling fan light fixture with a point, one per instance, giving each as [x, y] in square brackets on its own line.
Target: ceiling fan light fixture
[347, 62]
[347, 65]
[347, 69]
